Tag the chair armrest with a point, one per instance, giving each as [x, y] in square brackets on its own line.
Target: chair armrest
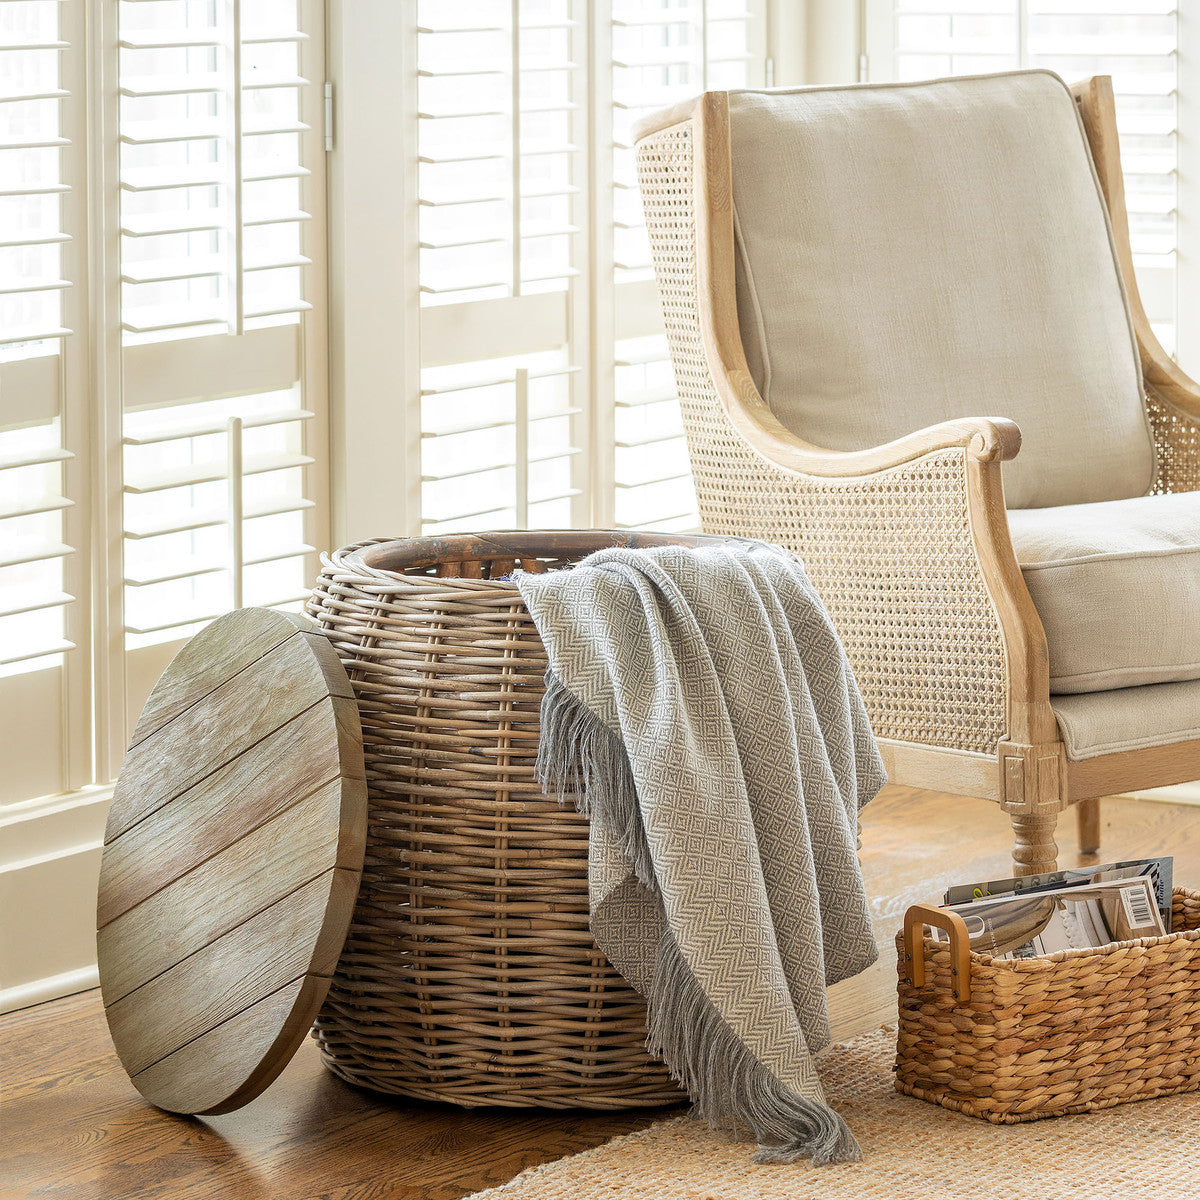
[984, 439]
[924, 511]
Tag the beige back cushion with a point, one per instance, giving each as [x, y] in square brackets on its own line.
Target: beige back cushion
[910, 253]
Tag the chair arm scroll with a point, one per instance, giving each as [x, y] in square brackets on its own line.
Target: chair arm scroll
[983, 439]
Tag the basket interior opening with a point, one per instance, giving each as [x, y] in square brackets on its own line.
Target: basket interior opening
[498, 555]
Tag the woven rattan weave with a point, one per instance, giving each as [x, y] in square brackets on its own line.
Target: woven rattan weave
[1177, 441]
[1070, 1032]
[469, 974]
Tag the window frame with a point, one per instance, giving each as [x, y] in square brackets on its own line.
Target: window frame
[379, 331]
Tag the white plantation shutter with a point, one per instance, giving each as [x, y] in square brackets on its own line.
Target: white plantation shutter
[1134, 41]
[546, 395]
[661, 54]
[40, 570]
[162, 363]
[500, 109]
[220, 168]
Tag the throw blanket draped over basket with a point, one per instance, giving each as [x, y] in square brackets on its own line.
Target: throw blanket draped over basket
[701, 710]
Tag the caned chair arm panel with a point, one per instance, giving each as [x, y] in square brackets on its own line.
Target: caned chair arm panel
[907, 543]
[914, 562]
[893, 556]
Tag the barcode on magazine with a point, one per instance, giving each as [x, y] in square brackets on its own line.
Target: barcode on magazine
[1136, 902]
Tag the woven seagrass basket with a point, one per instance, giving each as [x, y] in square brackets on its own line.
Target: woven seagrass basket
[469, 974]
[1070, 1032]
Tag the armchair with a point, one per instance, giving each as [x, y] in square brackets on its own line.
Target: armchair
[869, 267]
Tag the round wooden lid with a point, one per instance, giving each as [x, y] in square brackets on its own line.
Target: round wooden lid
[231, 861]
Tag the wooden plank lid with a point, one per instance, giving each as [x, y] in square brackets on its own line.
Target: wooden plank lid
[231, 861]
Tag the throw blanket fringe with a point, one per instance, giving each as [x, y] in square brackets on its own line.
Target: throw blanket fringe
[729, 1087]
[581, 759]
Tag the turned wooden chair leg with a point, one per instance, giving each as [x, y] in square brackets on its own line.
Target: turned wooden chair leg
[1034, 848]
[1087, 814]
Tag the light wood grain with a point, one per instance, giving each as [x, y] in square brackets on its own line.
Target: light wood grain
[1035, 850]
[286, 765]
[214, 655]
[1088, 825]
[214, 731]
[193, 1077]
[1098, 110]
[1134, 770]
[237, 970]
[939, 769]
[233, 861]
[207, 902]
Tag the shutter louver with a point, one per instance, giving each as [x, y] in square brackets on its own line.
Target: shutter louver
[531, 238]
[498, 184]
[662, 54]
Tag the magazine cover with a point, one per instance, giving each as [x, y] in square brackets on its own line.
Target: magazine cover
[1158, 870]
[1024, 925]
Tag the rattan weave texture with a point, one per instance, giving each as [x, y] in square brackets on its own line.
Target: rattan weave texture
[469, 974]
[1071, 1032]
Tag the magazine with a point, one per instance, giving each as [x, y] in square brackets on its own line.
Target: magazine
[1157, 870]
[1075, 917]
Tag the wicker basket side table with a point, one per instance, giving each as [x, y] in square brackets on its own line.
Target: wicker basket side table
[469, 974]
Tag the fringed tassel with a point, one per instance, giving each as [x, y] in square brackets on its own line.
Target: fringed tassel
[581, 758]
[729, 1087]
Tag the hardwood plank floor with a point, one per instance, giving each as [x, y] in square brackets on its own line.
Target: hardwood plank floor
[72, 1126]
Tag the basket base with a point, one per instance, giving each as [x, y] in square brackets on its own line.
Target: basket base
[627, 1091]
[957, 1103]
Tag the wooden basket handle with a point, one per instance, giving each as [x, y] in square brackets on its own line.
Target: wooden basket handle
[917, 917]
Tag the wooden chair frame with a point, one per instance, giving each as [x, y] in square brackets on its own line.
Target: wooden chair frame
[871, 524]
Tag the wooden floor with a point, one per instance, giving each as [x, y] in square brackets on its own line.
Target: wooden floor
[72, 1126]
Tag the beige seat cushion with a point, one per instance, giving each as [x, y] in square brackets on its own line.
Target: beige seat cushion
[1117, 586]
[908, 253]
[1161, 714]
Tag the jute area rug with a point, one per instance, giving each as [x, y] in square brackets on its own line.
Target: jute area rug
[912, 1151]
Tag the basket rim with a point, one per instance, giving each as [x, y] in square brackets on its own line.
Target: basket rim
[1044, 962]
[391, 559]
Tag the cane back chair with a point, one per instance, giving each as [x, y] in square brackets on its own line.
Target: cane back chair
[850, 277]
